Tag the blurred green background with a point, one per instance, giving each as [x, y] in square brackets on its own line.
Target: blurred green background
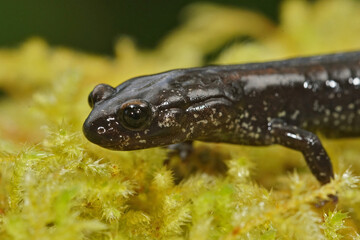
[94, 26]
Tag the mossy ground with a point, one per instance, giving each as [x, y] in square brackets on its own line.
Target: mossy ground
[56, 185]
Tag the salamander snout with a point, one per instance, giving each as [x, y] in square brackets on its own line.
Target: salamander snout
[96, 130]
[114, 124]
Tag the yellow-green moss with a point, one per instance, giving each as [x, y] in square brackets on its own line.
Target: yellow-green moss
[56, 185]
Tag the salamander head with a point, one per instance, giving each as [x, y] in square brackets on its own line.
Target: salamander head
[129, 120]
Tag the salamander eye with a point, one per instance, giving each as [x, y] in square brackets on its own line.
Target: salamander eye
[100, 92]
[136, 114]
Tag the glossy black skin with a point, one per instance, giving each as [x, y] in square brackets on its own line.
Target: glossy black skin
[281, 102]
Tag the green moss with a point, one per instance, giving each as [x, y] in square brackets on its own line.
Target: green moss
[334, 221]
[54, 184]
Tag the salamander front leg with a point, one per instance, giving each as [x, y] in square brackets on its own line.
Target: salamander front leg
[183, 150]
[306, 142]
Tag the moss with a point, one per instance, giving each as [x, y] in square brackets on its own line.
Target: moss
[334, 222]
[57, 185]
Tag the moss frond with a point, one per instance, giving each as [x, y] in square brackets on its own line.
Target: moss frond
[334, 222]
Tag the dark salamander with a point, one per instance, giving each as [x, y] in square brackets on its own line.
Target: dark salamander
[280, 102]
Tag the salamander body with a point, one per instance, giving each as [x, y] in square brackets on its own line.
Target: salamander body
[281, 102]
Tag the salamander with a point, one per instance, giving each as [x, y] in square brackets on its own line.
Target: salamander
[279, 102]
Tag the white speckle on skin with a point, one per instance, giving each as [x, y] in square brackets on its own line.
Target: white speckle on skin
[168, 120]
[124, 140]
[338, 108]
[295, 115]
[191, 130]
[306, 84]
[202, 121]
[331, 83]
[354, 81]
[230, 126]
[142, 141]
[196, 115]
[351, 106]
[189, 133]
[214, 120]
[282, 114]
[101, 130]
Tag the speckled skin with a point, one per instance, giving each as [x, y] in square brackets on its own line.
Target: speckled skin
[281, 102]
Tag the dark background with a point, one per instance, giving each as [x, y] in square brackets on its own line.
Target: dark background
[94, 25]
